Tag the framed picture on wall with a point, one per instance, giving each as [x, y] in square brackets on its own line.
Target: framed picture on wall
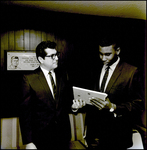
[20, 60]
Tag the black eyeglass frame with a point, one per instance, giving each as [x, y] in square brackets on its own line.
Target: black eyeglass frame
[53, 56]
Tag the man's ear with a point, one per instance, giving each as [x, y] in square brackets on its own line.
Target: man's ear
[40, 59]
[118, 51]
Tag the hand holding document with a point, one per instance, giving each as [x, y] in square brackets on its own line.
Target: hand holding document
[77, 103]
[86, 95]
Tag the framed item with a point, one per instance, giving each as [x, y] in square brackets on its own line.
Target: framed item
[21, 60]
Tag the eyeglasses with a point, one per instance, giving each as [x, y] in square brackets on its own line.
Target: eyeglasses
[53, 56]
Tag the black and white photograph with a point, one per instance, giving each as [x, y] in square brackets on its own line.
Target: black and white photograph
[21, 60]
[73, 75]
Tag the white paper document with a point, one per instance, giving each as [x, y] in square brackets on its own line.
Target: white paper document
[85, 94]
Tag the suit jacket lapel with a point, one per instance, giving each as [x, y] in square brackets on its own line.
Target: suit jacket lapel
[114, 77]
[44, 83]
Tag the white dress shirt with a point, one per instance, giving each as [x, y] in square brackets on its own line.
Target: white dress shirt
[47, 76]
[111, 70]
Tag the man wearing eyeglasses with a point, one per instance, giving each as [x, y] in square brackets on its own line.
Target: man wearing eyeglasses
[46, 101]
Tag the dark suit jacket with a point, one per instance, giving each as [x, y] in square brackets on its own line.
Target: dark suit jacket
[40, 111]
[125, 91]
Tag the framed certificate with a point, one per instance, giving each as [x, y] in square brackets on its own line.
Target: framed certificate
[21, 60]
[85, 94]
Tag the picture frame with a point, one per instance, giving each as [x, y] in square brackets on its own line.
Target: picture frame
[20, 60]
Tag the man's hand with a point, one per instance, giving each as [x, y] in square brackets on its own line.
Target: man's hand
[101, 104]
[31, 146]
[78, 103]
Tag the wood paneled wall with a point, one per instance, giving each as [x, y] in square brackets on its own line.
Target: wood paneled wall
[27, 40]
[76, 36]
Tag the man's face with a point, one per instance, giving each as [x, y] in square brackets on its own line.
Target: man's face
[15, 62]
[48, 63]
[108, 54]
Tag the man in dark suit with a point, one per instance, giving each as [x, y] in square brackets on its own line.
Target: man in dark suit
[46, 101]
[110, 122]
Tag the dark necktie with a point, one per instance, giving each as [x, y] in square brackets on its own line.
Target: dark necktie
[105, 78]
[53, 84]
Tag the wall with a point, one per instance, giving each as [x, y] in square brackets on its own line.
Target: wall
[76, 36]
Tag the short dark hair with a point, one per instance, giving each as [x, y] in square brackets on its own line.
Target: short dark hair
[14, 57]
[109, 38]
[40, 49]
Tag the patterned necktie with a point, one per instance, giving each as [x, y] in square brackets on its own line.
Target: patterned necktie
[53, 84]
[105, 78]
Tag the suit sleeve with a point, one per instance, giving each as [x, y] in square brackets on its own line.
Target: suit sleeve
[135, 96]
[25, 112]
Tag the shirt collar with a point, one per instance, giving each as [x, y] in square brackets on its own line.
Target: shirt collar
[46, 71]
[113, 66]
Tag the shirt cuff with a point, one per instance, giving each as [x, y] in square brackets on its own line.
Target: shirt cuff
[74, 109]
